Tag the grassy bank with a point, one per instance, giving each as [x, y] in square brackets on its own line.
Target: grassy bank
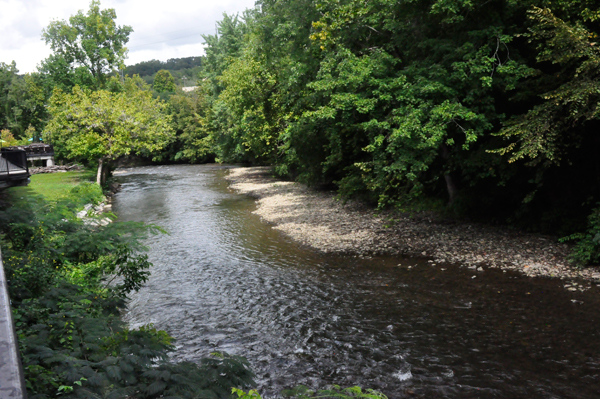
[51, 186]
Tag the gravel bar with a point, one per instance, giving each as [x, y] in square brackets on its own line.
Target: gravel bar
[320, 220]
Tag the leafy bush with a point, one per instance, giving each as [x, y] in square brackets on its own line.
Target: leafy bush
[587, 248]
[87, 193]
[302, 392]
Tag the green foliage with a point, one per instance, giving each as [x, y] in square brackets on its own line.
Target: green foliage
[69, 283]
[164, 82]
[490, 105]
[149, 68]
[251, 394]
[543, 134]
[7, 138]
[56, 72]
[587, 247]
[104, 125]
[192, 143]
[302, 392]
[21, 102]
[249, 118]
[87, 193]
[91, 40]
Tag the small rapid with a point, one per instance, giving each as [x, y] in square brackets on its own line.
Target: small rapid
[223, 280]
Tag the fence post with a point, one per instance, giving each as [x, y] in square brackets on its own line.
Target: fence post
[12, 382]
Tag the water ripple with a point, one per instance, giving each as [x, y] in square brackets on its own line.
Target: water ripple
[223, 280]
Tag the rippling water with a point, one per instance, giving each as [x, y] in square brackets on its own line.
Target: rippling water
[224, 280]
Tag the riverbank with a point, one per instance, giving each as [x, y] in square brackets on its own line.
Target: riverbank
[321, 221]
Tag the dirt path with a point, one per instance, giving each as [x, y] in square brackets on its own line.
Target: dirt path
[319, 220]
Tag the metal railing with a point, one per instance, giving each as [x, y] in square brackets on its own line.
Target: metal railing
[12, 383]
[13, 167]
[34, 149]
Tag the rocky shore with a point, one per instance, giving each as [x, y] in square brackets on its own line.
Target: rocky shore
[54, 169]
[321, 221]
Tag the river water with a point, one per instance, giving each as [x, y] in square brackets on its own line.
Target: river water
[223, 280]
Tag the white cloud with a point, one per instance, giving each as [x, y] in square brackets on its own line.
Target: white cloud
[162, 30]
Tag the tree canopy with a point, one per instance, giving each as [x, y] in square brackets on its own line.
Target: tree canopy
[92, 40]
[102, 125]
[487, 109]
[164, 82]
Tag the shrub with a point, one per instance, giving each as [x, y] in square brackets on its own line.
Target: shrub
[587, 247]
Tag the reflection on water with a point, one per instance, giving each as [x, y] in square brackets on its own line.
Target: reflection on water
[224, 280]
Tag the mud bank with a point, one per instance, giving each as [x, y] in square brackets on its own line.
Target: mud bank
[321, 221]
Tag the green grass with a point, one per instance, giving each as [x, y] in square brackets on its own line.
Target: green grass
[51, 186]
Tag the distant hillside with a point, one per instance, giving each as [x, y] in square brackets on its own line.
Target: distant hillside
[184, 70]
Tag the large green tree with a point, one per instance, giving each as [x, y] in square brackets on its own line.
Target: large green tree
[22, 101]
[193, 142]
[102, 125]
[55, 71]
[164, 82]
[92, 40]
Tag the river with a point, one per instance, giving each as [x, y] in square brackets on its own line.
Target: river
[223, 280]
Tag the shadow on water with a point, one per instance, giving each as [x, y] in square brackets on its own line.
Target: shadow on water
[224, 280]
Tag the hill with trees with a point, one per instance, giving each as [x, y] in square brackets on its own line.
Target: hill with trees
[184, 70]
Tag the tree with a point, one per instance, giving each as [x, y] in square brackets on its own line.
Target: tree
[8, 81]
[104, 125]
[545, 133]
[55, 71]
[251, 121]
[91, 40]
[6, 138]
[164, 82]
[21, 101]
[193, 143]
[222, 48]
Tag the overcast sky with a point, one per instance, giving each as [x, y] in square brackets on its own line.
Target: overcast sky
[162, 29]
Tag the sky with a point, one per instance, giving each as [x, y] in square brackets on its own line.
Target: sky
[162, 29]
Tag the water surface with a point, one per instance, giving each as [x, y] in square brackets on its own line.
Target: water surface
[224, 280]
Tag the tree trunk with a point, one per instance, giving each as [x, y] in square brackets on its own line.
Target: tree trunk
[99, 175]
[105, 172]
[450, 184]
[451, 187]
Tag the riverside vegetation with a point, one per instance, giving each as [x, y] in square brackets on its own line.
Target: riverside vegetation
[485, 110]
[482, 109]
[70, 277]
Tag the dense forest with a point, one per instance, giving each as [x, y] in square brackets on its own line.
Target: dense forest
[479, 109]
[186, 70]
[487, 109]
[148, 68]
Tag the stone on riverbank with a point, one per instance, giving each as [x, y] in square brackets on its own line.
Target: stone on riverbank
[319, 220]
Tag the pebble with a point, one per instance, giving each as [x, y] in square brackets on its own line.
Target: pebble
[54, 169]
[89, 214]
[318, 219]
